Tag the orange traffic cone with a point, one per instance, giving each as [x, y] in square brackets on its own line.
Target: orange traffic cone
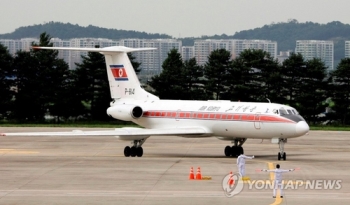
[191, 174]
[230, 180]
[199, 175]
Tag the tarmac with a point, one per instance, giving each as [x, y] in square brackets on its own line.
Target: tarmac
[93, 170]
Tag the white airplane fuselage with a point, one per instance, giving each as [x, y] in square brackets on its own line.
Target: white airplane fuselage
[223, 119]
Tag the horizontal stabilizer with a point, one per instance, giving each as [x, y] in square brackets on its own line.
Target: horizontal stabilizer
[112, 49]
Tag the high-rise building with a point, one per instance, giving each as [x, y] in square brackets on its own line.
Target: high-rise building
[23, 44]
[265, 45]
[63, 54]
[203, 48]
[283, 56]
[347, 49]
[151, 61]
[323, 50]
[27, 43]
[12, 45]
[75, 56]
[187, 52]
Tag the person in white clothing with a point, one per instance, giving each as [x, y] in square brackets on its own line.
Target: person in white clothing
[278, 178]
[241, 163]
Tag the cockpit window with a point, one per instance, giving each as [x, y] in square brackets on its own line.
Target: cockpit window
[289, 112]
[275, 111]
[294, 112]
[283, 111]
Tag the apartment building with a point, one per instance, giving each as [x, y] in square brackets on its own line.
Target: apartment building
[323, 50]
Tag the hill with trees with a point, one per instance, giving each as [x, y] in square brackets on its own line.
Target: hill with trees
[67, 31]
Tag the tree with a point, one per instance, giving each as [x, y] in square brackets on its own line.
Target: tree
[28, 98]
[169, 84]
[216, 72]
[261, 75]
[340, 79]
[239, 77]
[313, 87]
[193, 82]
[293, 70]
[6, 81]
[134, 63]
[92, 85]
[40, 78]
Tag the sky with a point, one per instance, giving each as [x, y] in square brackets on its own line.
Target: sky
[178, 18]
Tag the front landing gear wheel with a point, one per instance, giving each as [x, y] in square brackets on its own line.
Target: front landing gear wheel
[127, 151]
[282, 156]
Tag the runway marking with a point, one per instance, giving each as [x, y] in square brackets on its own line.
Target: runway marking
[278, 199]
[14, 151]
[272, 175]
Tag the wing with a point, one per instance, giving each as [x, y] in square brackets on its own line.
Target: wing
[123, 133]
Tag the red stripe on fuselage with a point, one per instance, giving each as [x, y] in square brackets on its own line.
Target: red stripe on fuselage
[216, 116]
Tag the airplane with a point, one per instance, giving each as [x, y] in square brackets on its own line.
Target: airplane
[225, 120]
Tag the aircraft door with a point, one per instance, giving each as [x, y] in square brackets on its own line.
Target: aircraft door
[177, 117]
[257, 122]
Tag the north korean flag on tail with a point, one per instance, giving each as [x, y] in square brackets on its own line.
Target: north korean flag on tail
[119, 72]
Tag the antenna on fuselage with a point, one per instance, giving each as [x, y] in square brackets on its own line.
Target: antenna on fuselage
[268, 100]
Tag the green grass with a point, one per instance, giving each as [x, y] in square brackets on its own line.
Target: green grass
[330, 128]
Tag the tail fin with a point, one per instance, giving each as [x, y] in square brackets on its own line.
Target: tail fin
[123, 81]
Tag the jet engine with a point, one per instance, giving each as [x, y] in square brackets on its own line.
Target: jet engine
[125, 112]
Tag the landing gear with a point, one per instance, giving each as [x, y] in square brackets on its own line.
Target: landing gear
[135, 150]
[227, 151]
[236, 149]
[127, 151]
[139, 151]
[282, 154]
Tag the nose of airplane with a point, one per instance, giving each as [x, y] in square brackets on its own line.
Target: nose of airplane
[302, 128]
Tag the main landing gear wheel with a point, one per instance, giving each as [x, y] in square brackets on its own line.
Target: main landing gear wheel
[135, 150]
[240, 150]
[236, 149]
[139, 151]
[127, 151]
[227, 151]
